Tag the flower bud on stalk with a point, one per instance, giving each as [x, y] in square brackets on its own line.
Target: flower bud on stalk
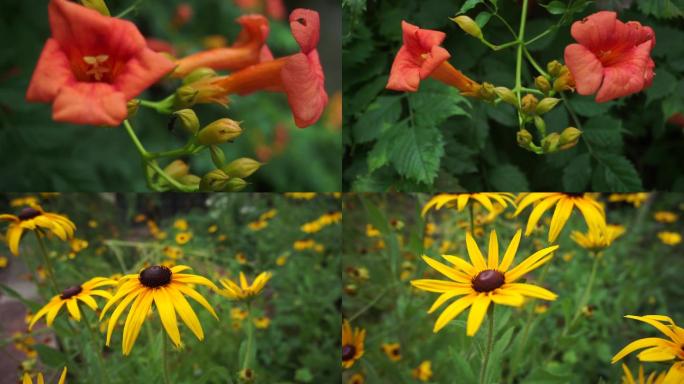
[529, 104]
[185, 97]
[188, 120]
[554, 68]
[132, 107]
[540, 124]
[569, 137]
[542, 84]
[214, 181]
[242, 167]
[199, 74]
[235, 184]
[218, 132]
[524, 138]
[565, 82]
[487, 92]
[177, 169]
[190, 179]
[468, 26]
[546, 104]
[506, 95]
[217, 156]
[550, 142]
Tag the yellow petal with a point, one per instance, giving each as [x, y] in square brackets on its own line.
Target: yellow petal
[118, 311]
[510, 252]
[453, 310]
[530, 290]
[72, 306]
[531, 198]
[439, 286]
[88, 300]
[461, 264]
[538, 211]
[13, 236]
[196, 296]
[444, 297]
[53, 312]
[26, 379]
[493, 255]
[656, 324]
[477, 313]
[656, 354]
[638, 344]
[462, 201]
[194, 279]
[125, 289]
[474, 252]
[186, 313]
[537, 259]
[167, 314]
[63, 376]
[447, 271]
[507, 298]
[41, 379]
[139, 311]
[43, 311]
[484, 200]
[560, 217]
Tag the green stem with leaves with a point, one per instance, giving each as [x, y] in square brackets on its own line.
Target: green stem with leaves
[102, 367]
[584, 299]
[489, 346]
[249, 331]
[518, 60]
[48, 264]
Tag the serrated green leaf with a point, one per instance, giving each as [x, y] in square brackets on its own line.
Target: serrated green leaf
[586, 106]
[615, 174]
[365, 95]
[508, 177]
[468, 5]
[416, 151]
[434, 103]
[603, 132]
[378, 117]
[664, 9]
[577, 174]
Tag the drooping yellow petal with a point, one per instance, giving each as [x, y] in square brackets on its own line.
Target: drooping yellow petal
[593, 215]
[186, 313]
[462, 201]
[493, 255]
[474, 253]
[124, 290]
[477, 313]
[638, 344]
[510, 252]
[628, 378]
[446, 296]
[26, 379]
[135, 319]
[53, 312]
[194, 279]
[538, 211]
[196, 296]
[453, 310]
[656, 324]
[43, 311]
[484, 200]
[41, 379]
[63, 376]
[88, 300]
[560, 217]
[656, 354]
[167, 314]
[13, 236]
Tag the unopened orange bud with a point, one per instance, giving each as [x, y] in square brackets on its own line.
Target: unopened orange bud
[529, 104]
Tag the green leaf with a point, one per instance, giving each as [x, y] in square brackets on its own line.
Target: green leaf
[365, 95]
[615, 174]
[603, 132]
[508, 177]
[378, 156]
[379, 116]
[483, 18]
[435, 103]
[664, 9]
[304, 375]
[555, 7]
[577, 174]
[663, 84]
[586, 106]
[50, 356]
[468, 5]
[416, 152]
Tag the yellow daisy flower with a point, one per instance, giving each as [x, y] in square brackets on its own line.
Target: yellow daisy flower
[35, 218]
[352, 344]
[666, 217]
[460, 200]
[592, 211]
[597, 240]
[659, 349]
[212, 228]
[24, 201]
[483, 281]
[356, 378]
[26, 379]
[262, 322]
[670, 238]
[636, 199]
[392, 350]
[165, 286]
[301, 195]
[183, 238]
[244, 290]
[653, 378]
[70, 297]
[181, 224]
[423, 372]
[3, 261]
[257, 225]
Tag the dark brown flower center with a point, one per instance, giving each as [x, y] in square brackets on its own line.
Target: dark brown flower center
[28, 213]
[70, 292]
[488, 280]
[155, 276]
[574, 194]
[348, 352]
[395, 352]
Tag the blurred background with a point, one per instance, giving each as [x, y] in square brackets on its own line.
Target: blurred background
[39, 154]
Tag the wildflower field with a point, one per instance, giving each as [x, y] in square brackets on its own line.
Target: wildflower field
[525, 95]
[152, 288]
[134, 96]
[505, 288]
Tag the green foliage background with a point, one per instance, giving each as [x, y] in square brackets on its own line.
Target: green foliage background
[637, 275]
[301, 298]
[37, 154]
[435, 140]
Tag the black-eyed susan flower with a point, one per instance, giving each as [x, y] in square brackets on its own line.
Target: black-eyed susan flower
[460, 201]
[636, 199]
[592, 211]
[26, 378]
[241, 258]
[356, 378]
[70, 298]
[181, 224]
[483, 282]
[423, 372]
[670, 238]
[24, 201]
[597, 240]
[167, 288]
[212, 228]
[653, 378]
[666, 217]
[352, 344]
[257, 225]
[245, 290]
[183, 238]
[659, 349]
[238, 314]
[262, 322]
[392, 350]
[35, 218]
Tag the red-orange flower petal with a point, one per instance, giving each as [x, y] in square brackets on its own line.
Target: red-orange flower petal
[305, 25]
[303, 80]
[51, 73]
[90, 103]
[612, 58]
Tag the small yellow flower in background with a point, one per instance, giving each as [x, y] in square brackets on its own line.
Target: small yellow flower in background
[155, 231]
[445, 246]
[172, 252]
[322, 222]
[26, 378]
[352, 344]
[166, 287]
[238, 314]
[407, 270]
[653, 378]
[430, 229]
[659, 349]
[70, 297]
[356, 378]
[670, 238]
[592, 211]
[483, 282]
[257, 225]
[77, 245]
[460, 201]
[358, 273]
[3, 262]
[271, 213]
[24, 201]
[636, 199]
[244, 290]
[92, 224]
[183, 238]
[281, 260]
[32, 219]
[301, 195]
[371, 231]
[25, 344]
[597, 240]
[541, 308]
[212, 228]
[567, 256]
[181, 225]
[665, 217]
[300, 245]
[392, 350]
[423, 372]
[139, 218]
[222, 238]
[262, 322]
[241, 258]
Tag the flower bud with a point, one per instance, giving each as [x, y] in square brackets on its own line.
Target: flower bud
[569, 137]
[554, 68]
[217, 156]
[529, 103]
[199, 74]
[542, 84]
[524, 138]
[487, 92]
[468, 25]
[550, 142]
[132, 107]
[241, 167]
[185, 97]
[235, 184]
[190, 179]
[540, 124]
[98, 5]
[546, 104]
[188, 120]
[506, 95]
[564, 83]
[219, 131]
[214, 181]
[177, 169]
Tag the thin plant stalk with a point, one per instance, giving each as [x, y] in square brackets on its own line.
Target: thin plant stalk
[102, 367]
[48, 264]
[584, 299]
[249, 330]
[490, 344]
[165, 359]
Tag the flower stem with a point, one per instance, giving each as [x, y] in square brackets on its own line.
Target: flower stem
[165, 359]
[534, 63]
[585, 295]
[490, 344]
[472, 219]
[518, 60]
[250, 338]
[48, 264]
[104, 376]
